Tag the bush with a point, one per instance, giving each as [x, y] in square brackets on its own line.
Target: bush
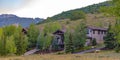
[94, 43]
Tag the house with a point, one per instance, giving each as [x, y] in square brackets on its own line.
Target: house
[96, 33]
[92, 33]
[59, 39]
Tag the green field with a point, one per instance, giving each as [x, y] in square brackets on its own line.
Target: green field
[107, 55]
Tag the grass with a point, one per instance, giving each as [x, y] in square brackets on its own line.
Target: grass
[105, 55]
[98, 20]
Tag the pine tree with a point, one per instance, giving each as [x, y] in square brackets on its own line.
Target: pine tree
[69, 47]
[109, 38]
[94, 43]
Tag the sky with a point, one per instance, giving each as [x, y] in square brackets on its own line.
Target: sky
[42, 8]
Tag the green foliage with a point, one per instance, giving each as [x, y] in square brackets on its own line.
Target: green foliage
[40, 41]
[52, 27]
[114, 10]
[109, 38]
[21, 41]
[32, 34]
[10, 45]
[44, 41]
[69, 47]
[47, 41]
[77, 15]
[116, 30]
[12, 41]
[94, 43]
[80, 35]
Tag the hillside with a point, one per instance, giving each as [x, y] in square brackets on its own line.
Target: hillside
[8, 19]
[89, 9]
[97, 20]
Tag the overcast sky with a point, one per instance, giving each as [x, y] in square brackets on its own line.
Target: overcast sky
[41, 8]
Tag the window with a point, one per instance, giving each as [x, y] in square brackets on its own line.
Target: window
[93, 31]
[87, 31]
[104, 32]
[98, 31]
[101, 32]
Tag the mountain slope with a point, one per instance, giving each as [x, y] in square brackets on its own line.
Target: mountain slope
[8, 19]
[96, 20]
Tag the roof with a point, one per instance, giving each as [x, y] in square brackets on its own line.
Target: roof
[97, 28]
[58, 32]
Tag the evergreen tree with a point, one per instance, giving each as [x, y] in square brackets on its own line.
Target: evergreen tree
[94, 43]
[109, 39]
[69, 47]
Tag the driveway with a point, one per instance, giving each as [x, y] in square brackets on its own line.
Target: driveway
[87, 51]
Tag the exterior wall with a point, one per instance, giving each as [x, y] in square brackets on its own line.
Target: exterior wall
[97, 34]
[59, 39]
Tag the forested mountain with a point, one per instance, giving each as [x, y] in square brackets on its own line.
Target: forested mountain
[89, 9]
[8, 19]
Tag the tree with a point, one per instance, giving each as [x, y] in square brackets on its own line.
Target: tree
[2, 42]
[7, 40]
[51, 27]
[10, 45]
[94, 43]
[12, 40]
[32, 35]
[77, 15]
[114, 10]
[69, 47]
[109, 39]
[44, 41]
[79, 36]
[116, 31]
[21, 41]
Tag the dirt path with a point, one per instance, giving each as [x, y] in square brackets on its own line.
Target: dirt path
[31, 52]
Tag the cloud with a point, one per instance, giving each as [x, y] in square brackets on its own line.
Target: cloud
[7, 6]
